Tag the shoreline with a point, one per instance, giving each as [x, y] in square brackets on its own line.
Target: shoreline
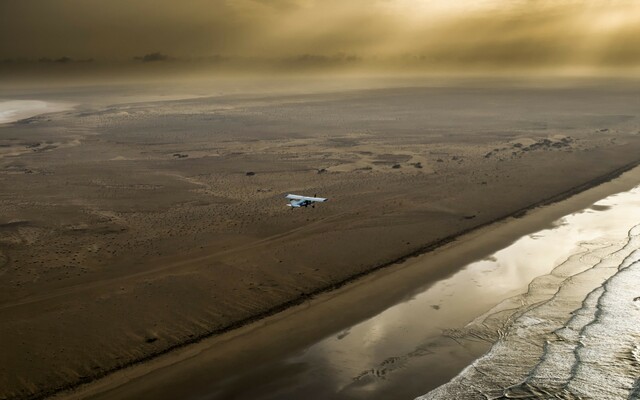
[86, 384]
[12, 111]
[555, 336]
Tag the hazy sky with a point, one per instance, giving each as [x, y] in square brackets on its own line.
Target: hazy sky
[437, 32]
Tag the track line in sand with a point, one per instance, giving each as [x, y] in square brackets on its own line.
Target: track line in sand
[83, 287]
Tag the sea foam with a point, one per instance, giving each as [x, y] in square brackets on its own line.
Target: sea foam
[575, 334]
[14, 110]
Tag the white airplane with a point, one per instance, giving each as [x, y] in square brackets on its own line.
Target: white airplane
[297, 201]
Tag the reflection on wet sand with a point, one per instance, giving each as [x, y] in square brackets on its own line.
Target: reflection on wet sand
[423, 339]
[573, 334]
[420, 334]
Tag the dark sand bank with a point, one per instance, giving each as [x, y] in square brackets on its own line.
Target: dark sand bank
[116, 250]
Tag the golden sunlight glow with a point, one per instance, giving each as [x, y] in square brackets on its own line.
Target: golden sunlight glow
[429, 33]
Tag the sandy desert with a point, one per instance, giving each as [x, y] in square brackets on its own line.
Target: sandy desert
[131, 229]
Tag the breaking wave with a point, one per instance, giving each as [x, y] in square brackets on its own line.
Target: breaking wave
[575, 334]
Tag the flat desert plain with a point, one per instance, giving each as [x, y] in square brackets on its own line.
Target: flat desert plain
[132, 229]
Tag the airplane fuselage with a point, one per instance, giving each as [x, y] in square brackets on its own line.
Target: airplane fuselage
[297, 201]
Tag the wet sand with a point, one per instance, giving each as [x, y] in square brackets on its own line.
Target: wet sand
[393, 334]
[573, 332]
[151, 235]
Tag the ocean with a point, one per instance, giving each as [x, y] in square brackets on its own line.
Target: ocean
[575, 333]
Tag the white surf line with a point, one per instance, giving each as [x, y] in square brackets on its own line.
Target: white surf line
[575, 331]
[15, 110]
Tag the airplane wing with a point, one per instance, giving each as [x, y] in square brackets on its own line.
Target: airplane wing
[307, 198]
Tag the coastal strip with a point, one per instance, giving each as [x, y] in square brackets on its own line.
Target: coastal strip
[68, 390]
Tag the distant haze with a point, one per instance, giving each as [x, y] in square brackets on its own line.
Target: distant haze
[299, 34]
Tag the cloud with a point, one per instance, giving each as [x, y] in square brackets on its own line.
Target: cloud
[153, 57]
[421, 34]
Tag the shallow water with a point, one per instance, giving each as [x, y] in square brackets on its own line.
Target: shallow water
[575, 333]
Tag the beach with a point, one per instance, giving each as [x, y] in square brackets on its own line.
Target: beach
[573, 333]
[153, 235]
[399, 333]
